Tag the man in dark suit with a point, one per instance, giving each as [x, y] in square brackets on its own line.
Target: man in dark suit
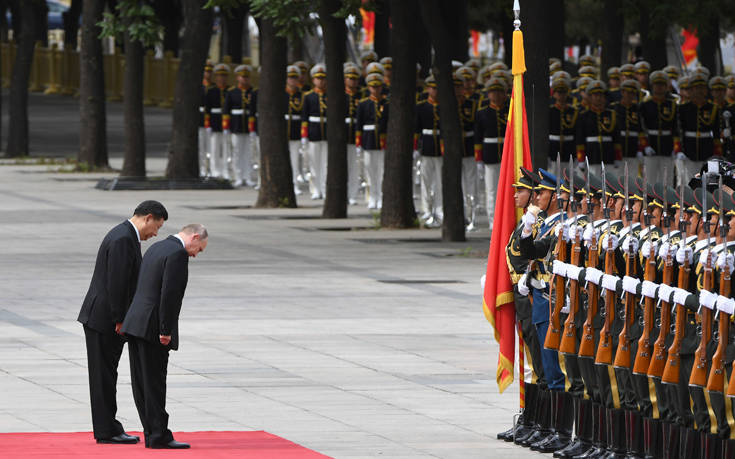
[103, 310]
[152, 325]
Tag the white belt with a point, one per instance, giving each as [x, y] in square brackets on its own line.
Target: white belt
[430, 131]
[469, 133]
[493, 140]
[696, 134]
[292, 117]
[557, 138]
[659, 132]
[629, 133]
[201, 109]
[349, 120]
[216, 110]
[318, 119]
[368, 127]
[604, 138]
[237, 111]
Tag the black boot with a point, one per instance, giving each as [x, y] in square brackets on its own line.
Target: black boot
[616, 434]
[524, 420]
[543, 420]
[712, 447]
[563, 422]
[599, 434]
[548, 432]
[652, 438]
[634, 434]
[728, 448]
[670, 440]
[689, 443]
[583, 427]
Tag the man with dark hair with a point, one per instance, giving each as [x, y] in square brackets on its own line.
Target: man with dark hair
[103, 310]
[152, 323]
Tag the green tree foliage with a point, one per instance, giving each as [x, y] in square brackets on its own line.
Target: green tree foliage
[135, 17]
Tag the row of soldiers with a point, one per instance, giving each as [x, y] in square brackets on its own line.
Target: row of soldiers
[623, 292]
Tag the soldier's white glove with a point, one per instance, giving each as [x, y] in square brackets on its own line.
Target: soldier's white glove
[358, 151]
[705, 260]
[630, 245]
[726, 305]
[726, 259]
[664, 292]
[649, 151]
[573, 272]
[522, 287]
[680, 295]
[613, 240]
[646, 248]
[639, 154]
[416, 154]
[565, 308]
[610, 282]
[667, 249]
[482, 282]
[564, 229]
[707, 299]
[593, 275]
[304, 141]
[589, 231]
[684, 253]
[727, 133]
[528, 219]
[681, 156]
[648, 289]
[574, 230]
[481, 170]
[630, 284]
[559, 268]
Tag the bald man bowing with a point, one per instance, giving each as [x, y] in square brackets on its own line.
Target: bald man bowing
[152, 325]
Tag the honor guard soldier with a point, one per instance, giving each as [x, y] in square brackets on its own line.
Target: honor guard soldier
[366, 58]
[629, 123]
[430, 146]
[469, 84]
[660, 126]
[482, 76]
[238, 119]
[627, 72]
[562, 123]
[700, 125]
[214, 101]
[718, 89]
[489, 129]
[554, 66]
[683, 84]
[387, 63]
[588, 71]
[579, 94]
[202, 133]
[373, 67]
[673, 73]
[613, 85]
[371, 128]
[304, 78]
[642, 70]
[598, 130]
[587, 60]
[293, 124]
[467, 110]
[353, 96]
[314, 131]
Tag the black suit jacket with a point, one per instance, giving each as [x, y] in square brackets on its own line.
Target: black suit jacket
[114, 279]
[161, 285]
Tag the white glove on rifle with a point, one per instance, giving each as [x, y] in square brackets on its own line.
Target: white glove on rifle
[726, 305]
[565, 308]
[680, 295]
[664, 292]
[707, 299]
[649, 151]
[646, 248]
[610, 282]
[667, 249]
[630, 284]
[648, 289]
[589, 231]
[613, 240]
[726, 259]
[727, 133]
[593, 275]
[528, 219]
[564, 229]
[522, 287]
[684, 253]
[630, 245]
[705, 260]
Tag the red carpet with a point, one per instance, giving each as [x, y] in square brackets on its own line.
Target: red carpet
[204, 445]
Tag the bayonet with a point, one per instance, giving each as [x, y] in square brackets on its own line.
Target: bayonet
[721, 221]
[682, 222]
[647, 217]
[559, 200]
[588, 189]
[605, 209]
[572, 202]
[665, 218]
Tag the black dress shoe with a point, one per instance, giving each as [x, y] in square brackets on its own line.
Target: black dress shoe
[173, 444]
[507, 435]
[123, 439]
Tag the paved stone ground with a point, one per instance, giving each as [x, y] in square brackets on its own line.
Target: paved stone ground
[352, 341]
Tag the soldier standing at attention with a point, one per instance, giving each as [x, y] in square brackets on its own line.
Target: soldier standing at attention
[202, 133]
[293, 124]
[238, 120]
[214, 101]
[371, 127]
[314, 130]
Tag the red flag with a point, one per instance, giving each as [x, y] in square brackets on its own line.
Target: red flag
[498, 302]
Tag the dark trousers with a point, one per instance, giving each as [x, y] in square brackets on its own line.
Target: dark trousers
[103, 356]
[148, 369]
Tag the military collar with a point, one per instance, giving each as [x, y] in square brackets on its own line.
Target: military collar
[645, 232]
[666, 237]
[701, 245]
[690, 239]
[720, 246]
[552, 218]
[629, 229]
[598, 223]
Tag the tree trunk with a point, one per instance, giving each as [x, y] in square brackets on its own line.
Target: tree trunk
[459, 31]
[434, 16]
[335, 38]
[276, 179]
[612, 36]
[168, 13]
[423, 50]
[295, 49]
[708, 51]
[536, 32]
[134, 159]
[381, 40]
[506, 29]
[18, 122]
[41, 11]
[556, 28]
[234, 22]
[653, 37]
[398, 209]
[71, 24]
[183, 158]
[93, 121]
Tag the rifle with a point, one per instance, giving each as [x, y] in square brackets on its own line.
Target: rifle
[604, 347]
[673, 361]
[716, 380]
[699, 370]
[658, 362]
[643, 356]
[553, 334]
[569, 340]
[587, 343]
[622, 354]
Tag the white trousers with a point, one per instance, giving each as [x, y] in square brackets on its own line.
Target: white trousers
[431, 186]
[317, 152]
[219, 153]
[469, 179]
[294, 152]
[374, 166]
[253, 177]
[353, 172]
[241, 158]
[686, 169]
[492, 176]
[203, 152]
[655, 168]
